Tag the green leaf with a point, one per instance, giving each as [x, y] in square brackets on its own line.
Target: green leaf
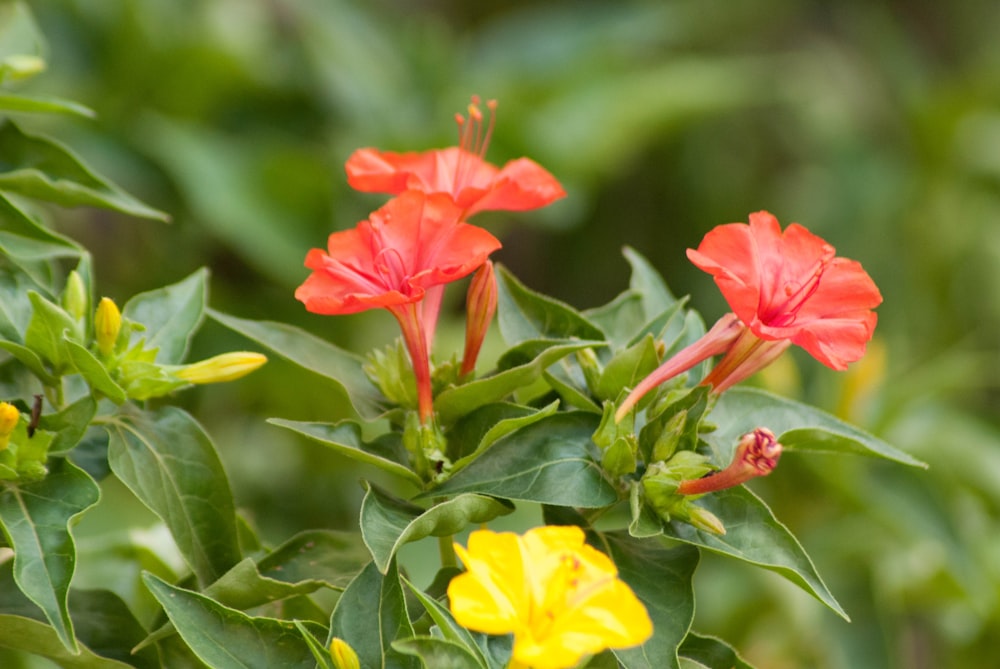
[755, 536]
[314, 354]
[661, 579]
[36, 518]
[57, 175]
[370, 615]
[386, 453]
[43, 105]
[799, 427]
[620, 319]
[29, 359]
[647, 282]
[712, 652]
[105, 625]
[627, 369]
[23, 238]
[454, 632]
[169, 463]
[70, 424]
[171, 316]
[388, 522]
[45, 331]
[524, 314]
[224, 638]
[37, 638]
[479, 430]
[94, 372]
[536, 462]
[15, 305]
[438, 653]
[532, 358]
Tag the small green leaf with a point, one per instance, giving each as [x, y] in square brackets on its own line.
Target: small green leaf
[388, 522]
[524, 314]
[452, 631]
[43, 105]
[619, 319]
[314, 354]
[552, 461]
[647, 282]
[438, 653]
[532, 358]
[29, 359]
[224, 638]
[36, 518]
[386, 453]
[93, 372]
[105, 625]
[171, 315]
[627, 369]
[799, 427]
[37, 638]
[169, 463]
[69, 425]
[483, 427]
[45, 331]
[370, 615]
[712, 652]
[57, 175]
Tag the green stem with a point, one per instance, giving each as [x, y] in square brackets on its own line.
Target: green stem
[447, 551]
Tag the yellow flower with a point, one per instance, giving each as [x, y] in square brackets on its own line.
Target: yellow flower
[561, 598]
[9, 417]
[107, 325]
[343, 655]
[224, 367]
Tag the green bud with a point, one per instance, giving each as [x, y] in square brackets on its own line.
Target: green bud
[591, 367]
[391, 371]
[666, 443]
[75, 299]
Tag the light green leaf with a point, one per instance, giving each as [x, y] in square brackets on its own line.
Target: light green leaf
[171, 315]
[93, 372]
[224, 638]
[620, 318]
[799, 427]
[437, 653]
[69, 424]
[386, 452]
[314, 354]
[57, 175]
[29, 359]
[711, 652]
[536, 462]
[43, 105]
[45, 331]
[647, 282]
[370, 615]
[627, 369]
[525, 315]
[36, 518]
[169, 463]
[452, 631]
[522, 365]
[388, 522]
[37, 638]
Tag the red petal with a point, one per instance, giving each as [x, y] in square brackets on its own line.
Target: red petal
[520, 185]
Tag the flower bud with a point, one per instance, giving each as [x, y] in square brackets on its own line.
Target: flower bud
[343, 655]
[225, 367]
[9, 417]
[74, 297]
[21, 66]
[481, 304]
[107, 325]
[756, 455]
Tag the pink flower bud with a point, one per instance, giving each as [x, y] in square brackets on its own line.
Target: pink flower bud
[481, 304]
[756, 455]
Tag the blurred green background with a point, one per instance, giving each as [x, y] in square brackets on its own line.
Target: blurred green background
[875, 124]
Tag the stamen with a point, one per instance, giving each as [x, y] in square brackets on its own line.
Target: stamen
[390, 266]
[796, 294]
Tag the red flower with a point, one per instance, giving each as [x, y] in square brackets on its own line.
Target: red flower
[391, 265]
[784, 288]
[789, 286]
[474, 184]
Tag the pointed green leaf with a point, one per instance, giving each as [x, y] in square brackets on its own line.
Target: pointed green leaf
[712, 652]
[521, 370]
[798, 426]
[647, 282]
[36, 518]
[627, 369]
[45, 331]
[314, 354]
[169, 463]
[438, 653]
[619, 319]
[18, 231]
[15, 305]
[37, 638]
[535, 462]
[388, 522]
[55, 174]
[574, 395]
[524, 314]
[93, 372]
[755, 536]
[43, 105]
[171, 316]
[69, 425]
[370, 615]
[451, 630]
[319, 652]
[483, 427]
[661, 578]
[224, 638]
[29, 359]
[386, 453]
[105, 625]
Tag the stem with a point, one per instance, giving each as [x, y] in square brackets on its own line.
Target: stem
[447, 551]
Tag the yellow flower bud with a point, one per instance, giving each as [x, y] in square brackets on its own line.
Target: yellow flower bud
[9, 416]
[107, 325]
[225, 367]
[343, 655]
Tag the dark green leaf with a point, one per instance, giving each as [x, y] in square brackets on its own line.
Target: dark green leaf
[647, 282]
[552, 461]
[799, 427]
[224, 638]
[524, 314]
[105, 625]
[388, 522]
[452, 631]
[168, 461]
[37, 638]
[93, 372]
[171, 315]
[438, 653]
[482, 428]
[627, 369]
[711, 652]
[370, 615]
[386, 453]
[620, 319]
[56, 175]
[36, 519]
[315, 355]
[456, 402]
[69, 425]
